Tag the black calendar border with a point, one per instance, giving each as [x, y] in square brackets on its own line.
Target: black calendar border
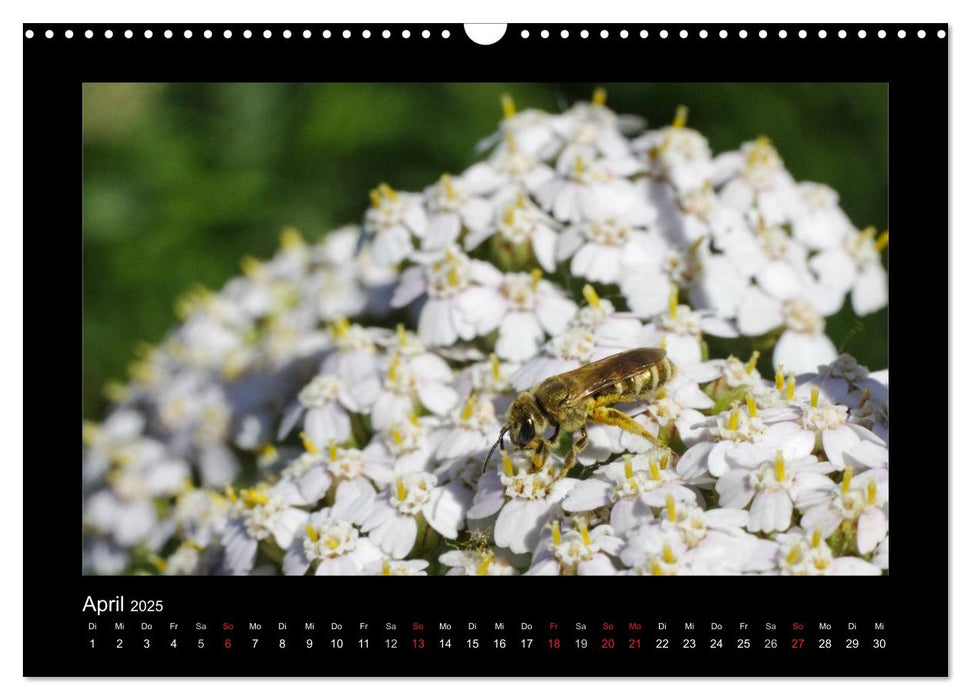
[913, 601]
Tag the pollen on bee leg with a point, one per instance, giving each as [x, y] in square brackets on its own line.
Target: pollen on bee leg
[753, 410]
[590, 294]
[847, 477]
[508, 106]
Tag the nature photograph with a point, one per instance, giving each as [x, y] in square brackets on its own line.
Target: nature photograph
[485, 329]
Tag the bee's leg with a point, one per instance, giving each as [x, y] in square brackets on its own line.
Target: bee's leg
[611, 416]
[576, 448]
[541, 451]
[610, 399]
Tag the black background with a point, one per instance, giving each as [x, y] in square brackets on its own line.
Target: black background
[912, 602]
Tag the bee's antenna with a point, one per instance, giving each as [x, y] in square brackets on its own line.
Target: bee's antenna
[505, 429]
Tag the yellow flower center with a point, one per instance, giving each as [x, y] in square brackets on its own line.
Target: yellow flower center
[507, 464]
[847, 477]
[780, 467]
[750, 404]
[733, 420]
[655, 471]
[290, 238]
[508, 106]
[590, 294]
[750, 365]
[680, 117]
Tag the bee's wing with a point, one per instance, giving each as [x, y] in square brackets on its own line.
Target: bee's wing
[596, 376]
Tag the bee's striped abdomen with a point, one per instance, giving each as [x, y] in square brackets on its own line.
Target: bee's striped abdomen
[648, 381]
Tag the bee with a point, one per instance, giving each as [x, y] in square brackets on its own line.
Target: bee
[570, 400]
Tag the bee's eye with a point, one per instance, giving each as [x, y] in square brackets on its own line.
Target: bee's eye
[526, 431]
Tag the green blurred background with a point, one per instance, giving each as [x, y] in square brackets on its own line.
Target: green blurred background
[182, 180]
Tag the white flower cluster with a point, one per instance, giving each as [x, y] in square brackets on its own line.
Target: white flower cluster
[292, 423]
